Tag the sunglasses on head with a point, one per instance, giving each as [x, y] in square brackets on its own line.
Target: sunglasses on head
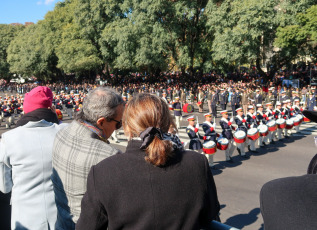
[118, 123]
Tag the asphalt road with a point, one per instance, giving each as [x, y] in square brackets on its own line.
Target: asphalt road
[238, 184]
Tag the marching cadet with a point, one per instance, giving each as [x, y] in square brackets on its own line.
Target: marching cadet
[261, 119]
[177, 107]
[227, 128]
[194, 136]
[19, 108]
[240, 120]
[251, 123]
[7, 114]
[69, 106]
[209, 128]
[278, 114]
[297, 110]
[58, 103]
[270, 116]
[77, 107]
[286, 115]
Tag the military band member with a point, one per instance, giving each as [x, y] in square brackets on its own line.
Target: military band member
[241, 121]
[286, 115]
[297, 110]
[209, 128]
[7, 114]
[278, 114]
[227, 128]
[177, 107]
[269, 117]
[262, 120]
[194, 136]
[69, 106]
[58, 103]
[251, 123]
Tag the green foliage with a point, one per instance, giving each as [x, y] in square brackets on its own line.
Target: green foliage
[242, 29]
[300, 38]
[7, 34]
[103, 36]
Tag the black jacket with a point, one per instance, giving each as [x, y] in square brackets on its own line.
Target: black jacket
[126, 192]
[290, 203]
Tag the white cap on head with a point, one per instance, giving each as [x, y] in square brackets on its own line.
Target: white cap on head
[278, 103]
[190, 118]
[238, 109]
[250, 107]
[259, 105]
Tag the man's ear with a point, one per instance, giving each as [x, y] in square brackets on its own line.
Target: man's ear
[100, 122]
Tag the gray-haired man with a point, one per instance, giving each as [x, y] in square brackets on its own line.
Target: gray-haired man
[80, 146]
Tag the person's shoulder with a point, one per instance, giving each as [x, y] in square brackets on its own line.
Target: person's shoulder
[193, 158]
[288, 185]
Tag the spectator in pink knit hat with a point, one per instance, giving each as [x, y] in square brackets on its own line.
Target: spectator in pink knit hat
[26, 163]
[38, 105]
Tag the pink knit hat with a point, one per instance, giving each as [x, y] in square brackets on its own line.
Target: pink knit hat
[39, 97]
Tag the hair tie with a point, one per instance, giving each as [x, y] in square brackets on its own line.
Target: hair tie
[148, 135]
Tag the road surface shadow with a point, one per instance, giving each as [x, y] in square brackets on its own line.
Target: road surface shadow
[242, 220]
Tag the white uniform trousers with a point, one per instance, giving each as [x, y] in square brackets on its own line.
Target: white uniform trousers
[230, 149]
[271, 136]
[279, 134]
[286, 132]
[177, 121]
[252, 145]
[9, 121]
[241, 147]
[210, 158]
[70, 112]
[297, 128]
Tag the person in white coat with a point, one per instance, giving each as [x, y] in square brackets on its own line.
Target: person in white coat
[26, 163]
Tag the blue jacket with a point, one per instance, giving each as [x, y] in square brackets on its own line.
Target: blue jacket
[210, 135]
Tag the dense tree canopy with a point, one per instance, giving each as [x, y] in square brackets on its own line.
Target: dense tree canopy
[90, 37]
[7, 34]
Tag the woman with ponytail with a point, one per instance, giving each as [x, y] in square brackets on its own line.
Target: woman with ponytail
[155, 184]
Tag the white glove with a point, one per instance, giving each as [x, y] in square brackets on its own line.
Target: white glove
[197, 125]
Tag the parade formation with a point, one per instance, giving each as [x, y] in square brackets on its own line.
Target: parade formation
[257, 116]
